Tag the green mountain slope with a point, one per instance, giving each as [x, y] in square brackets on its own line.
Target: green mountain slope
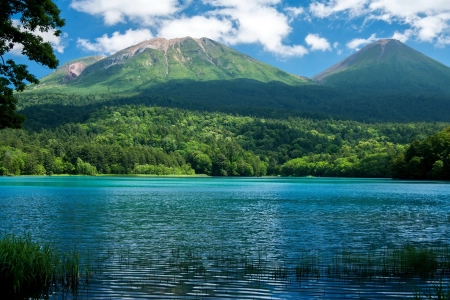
[386, 67]
[385, 81]
[66, 73]
[140, 67]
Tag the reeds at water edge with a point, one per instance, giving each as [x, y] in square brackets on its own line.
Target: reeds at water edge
[31, 267]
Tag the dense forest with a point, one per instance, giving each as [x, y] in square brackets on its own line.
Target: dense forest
[145, 139]
[214, 111]
[426, 159]
[250, 97]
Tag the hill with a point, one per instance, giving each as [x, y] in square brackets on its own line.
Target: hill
[385, 81]
[142, 66]
[149, 110]
[388, 67]
[138, 139]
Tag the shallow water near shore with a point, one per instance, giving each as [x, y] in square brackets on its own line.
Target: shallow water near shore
[211, 238]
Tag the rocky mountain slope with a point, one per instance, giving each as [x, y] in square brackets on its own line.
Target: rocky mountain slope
[156, 61]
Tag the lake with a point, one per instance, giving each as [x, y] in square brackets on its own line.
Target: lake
[227, 238]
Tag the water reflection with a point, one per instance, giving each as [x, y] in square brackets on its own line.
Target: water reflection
[133, 225]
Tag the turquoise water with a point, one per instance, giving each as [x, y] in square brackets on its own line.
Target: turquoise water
[132, 226]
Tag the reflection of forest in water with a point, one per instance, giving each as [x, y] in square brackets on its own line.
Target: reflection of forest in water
[214, 237]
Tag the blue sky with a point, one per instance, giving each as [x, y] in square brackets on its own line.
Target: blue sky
[300, 37]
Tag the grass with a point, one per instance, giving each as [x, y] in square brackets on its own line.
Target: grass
[31, 267]
[387, 263]
[435, 292]
[402, 262]
[186, 271]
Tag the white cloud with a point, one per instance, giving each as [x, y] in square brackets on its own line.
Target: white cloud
[428, 20]
[406, 8]
[442, 41]
[196, 27]
[294, 12]
[229, 21]
[290, 51]
[431, 27]
[317, 43]
[323, 10]
[116, 11]
[356, 43]
[265, 22]
[58, 42]
[118, 41]
[257, 21]
[403, 37]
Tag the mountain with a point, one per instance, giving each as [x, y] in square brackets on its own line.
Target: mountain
[67, 72]
[385, 81]
[157, 61]
[388, 67]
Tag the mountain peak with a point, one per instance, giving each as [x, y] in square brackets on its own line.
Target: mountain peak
[378, 46]
[383, 42]
[160, 44]
[389, 66]
[159, 60]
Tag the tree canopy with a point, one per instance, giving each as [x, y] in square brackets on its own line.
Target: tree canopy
[33, 16]
[426, 159]
[119, 138]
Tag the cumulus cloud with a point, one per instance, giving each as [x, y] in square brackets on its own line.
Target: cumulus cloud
[196, 27]
[257, 21]
[58, 42]
[403, 37]
[317, 43]
[431, 27]
[356, 43]
[294, 12]
[118, 41]
[117, 11]
[323, 9]
[428, 21]
[265, 22]
[442, 41]
[229, 21]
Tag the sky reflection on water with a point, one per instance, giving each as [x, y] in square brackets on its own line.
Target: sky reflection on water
[280, 217]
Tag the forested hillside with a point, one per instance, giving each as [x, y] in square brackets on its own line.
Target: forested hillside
[137, 139]
[384, 81]
[194, 106]
[245, 97]
[388, 66]
[425, 159]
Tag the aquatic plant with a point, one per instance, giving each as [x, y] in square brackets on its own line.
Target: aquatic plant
[308, 265]
[436, 292]
[31, 267]
[417, 262]
[25, 265]
[69, 269]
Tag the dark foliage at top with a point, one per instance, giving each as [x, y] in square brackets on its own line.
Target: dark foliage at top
[43, 16]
